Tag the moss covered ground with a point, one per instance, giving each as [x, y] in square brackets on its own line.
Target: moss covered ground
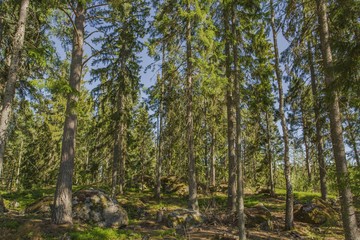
[142, 209]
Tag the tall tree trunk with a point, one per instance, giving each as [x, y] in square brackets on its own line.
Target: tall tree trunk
[17, 182]
[352, 138]
[231, 118]
[240, 170]
[62, 211]
[212, 159]
[289, 212]
[12, 77]
[122, 149]
[318, 126]
[343, 181]
[160, 130]
[193, 202]
[116, 165]
[306, 143]
[269, 154]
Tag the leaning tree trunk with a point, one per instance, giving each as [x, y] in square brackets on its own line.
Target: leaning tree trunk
[343, 180]
[193, 202]
[318, 126]
[62, 210]
[12, 77]
[289, 212]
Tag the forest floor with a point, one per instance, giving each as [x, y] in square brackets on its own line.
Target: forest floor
[143, 209]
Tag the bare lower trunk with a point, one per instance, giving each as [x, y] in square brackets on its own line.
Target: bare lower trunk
[17, 182]
[306, 144]
[318, 126]
[12, 77]
[62, 210]
[123, 154]
[352, 138]
[160, 130]
[289, 212]
[343, 180]
[193, 202]
[115, 167]
[240, 170]
[269, 155]
[231, 128]
[212, 161]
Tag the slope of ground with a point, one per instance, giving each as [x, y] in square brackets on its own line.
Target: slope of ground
[144, 212]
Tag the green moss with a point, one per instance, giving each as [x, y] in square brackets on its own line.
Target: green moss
[103, 233]
[26, 197]
[303, 197]
[11, 224]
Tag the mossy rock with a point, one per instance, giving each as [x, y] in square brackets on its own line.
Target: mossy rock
[96, 207]
[183, 218]
[89, 206]
[173, 184]
[41, 206]
[318, 212]
[259, 216]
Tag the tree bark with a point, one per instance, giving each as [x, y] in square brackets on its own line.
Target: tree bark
[306, 143]
[12, 78]
[122, 150]
[318, 126]
[62, 210]
[289, 212]
[193, 202]
[116, 165]
[212, 159]
[161, 123]
[269, 154]
[240, 170]
[231, 118]
[343, 181]
[352, 137]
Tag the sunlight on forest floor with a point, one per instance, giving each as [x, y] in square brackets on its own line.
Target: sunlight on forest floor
[142, 209]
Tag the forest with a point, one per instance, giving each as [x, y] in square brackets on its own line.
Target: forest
[179, 119]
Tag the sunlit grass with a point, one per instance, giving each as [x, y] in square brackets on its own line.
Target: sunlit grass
[97, 233]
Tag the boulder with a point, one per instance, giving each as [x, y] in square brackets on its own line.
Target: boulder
[172, 184]
[183, 218]
[41, 206]
[96, 207]
[317, 212]
[89, 206]
[259, 216]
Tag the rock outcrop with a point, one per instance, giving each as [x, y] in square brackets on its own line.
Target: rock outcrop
[89, 206]
[317, 212]
[259, 216]
[181, 218]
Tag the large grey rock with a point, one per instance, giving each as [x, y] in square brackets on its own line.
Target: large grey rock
[183, 218]
[41, 206]
[89, 206]
[96, 207]
[259, 216]
[318, 212]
